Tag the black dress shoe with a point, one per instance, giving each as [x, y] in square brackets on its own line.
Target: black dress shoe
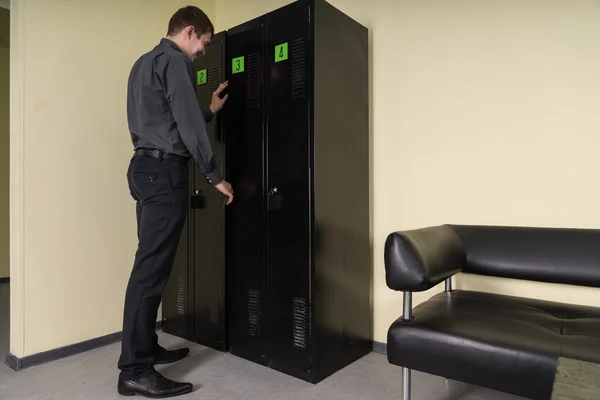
[169, 356]
[154, 386]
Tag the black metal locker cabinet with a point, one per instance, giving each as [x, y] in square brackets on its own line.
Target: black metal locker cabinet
[246, 240]
[342, 275]
[208, 265]
[318, 171]
[289, 205]
[300, 272]
[297, 235]
[175, 300]
[194, 303]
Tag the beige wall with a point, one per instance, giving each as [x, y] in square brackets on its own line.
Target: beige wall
[74, 220]
[484, 112]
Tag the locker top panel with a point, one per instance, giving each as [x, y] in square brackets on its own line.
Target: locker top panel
[219, 36]
[247, 26]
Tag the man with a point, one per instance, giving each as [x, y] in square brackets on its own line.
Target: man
[167, 128]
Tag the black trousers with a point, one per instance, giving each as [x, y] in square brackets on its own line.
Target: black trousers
[160, 189]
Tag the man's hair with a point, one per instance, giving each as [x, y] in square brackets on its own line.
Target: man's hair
[190, 16]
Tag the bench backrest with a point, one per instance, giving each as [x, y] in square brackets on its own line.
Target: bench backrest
[555, 255]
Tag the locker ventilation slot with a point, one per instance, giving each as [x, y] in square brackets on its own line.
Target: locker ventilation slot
[298, 69]
[212, 79]
[213, 310]
[254, 80]
[181, 296]
[253, 312]
[300, 322]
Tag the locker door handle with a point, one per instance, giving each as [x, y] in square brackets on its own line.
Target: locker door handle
[197, 200]
[275, 200]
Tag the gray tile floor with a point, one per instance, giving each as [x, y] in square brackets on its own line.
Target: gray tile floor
[218, 376]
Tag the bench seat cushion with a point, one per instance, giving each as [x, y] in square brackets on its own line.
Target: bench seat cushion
[495, 341]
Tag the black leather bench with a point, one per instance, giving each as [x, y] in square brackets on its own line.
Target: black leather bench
[505, 343]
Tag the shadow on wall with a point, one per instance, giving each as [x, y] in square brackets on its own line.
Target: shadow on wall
[4, 321]
[4, 141]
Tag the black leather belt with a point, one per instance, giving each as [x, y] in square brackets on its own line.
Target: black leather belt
[161, 155]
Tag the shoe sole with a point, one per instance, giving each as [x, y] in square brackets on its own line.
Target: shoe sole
[131, 394]
[169, 362]
[166, 362]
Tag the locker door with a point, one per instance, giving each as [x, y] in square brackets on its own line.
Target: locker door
[194, 298]
[176, 307]
[245, 169]
[289, 160]
[207, 214]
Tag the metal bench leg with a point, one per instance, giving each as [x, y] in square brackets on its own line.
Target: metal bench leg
[448, 285]
[406, 386]
[407, 316]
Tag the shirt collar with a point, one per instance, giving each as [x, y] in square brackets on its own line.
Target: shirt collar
[170, 43]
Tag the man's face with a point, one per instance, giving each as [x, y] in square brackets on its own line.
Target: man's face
[196, 45]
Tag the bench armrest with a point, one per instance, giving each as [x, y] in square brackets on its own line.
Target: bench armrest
[417, 260]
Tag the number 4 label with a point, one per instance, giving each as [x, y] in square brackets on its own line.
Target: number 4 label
[281, 52]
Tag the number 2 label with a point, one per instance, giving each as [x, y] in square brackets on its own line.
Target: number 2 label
[201, 78]
[237, 65]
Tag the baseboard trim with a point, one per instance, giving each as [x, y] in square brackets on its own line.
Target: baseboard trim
[380, 348]
[5, 280]
[19, 364]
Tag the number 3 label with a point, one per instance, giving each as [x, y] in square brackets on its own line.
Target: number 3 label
[237, 65]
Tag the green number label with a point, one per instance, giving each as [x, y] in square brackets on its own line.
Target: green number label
[237, 65]
[281, 52]
[201, 77]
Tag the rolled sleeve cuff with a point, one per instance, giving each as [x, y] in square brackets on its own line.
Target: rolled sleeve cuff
[208, 114]
[214, 177]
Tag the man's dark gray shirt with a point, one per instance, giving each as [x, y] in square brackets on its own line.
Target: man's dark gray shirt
[162, 109]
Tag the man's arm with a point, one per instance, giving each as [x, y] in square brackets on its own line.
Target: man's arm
[189, 118]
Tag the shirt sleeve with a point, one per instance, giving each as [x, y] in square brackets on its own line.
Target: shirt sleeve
[190, 118]
[208, 114]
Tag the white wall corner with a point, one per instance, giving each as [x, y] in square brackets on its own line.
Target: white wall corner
[17, 324]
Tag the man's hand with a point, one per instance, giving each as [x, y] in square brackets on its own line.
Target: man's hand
[225, 188]
[217, 101]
